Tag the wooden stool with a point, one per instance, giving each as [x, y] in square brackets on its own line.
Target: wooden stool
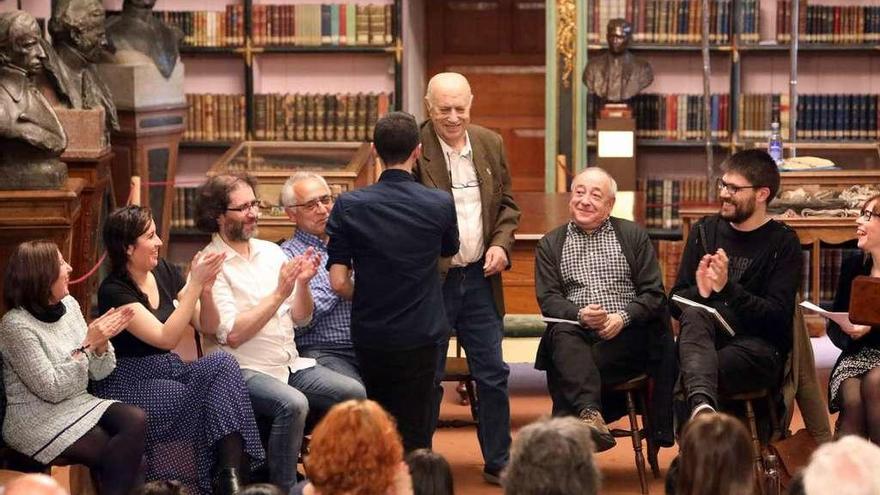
[638, 385]
[748, 398]
[457, 370]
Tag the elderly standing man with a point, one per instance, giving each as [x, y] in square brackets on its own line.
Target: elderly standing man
[307, 201]
[469, 161]
[600, 271]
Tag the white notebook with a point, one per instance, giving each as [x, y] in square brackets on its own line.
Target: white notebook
[683, 301]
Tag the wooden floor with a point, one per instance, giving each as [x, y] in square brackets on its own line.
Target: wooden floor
[529, 401]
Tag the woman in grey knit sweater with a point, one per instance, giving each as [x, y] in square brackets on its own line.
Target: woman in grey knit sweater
[49, 355]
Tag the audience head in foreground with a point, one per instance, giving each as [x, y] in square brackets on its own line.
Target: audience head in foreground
[431, 474]
[34, 484]
[715, 456]
[552, 457]
[848, 466]
[162, 487]
[356, 450]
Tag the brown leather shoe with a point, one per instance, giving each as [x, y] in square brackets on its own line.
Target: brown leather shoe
[601, 434]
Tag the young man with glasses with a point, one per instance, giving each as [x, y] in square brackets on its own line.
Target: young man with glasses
[747, 266]
[327, 339]
[260, 297]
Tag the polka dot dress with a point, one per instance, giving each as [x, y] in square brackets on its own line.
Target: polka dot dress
[189, 406]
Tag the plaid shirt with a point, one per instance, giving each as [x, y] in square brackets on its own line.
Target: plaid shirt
[330, 327]
[594, 270]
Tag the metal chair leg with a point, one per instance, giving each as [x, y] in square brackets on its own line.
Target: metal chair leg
[637, 441]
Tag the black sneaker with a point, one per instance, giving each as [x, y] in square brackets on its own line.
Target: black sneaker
[492, 476]
[602, 436]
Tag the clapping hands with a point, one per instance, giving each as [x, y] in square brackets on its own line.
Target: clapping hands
[712, 273]
[205, 267]
[106, 327]
[298, 269]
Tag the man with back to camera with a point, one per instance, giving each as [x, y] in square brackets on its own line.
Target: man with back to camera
[747, 266]
[393, 234]
[468, 161]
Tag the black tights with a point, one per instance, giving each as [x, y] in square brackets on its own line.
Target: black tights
[231, 454]
[113, 449]
[860, 406]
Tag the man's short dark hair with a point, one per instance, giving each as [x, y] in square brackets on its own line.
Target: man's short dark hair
[212, 199]
[757, 167]
[395, 137]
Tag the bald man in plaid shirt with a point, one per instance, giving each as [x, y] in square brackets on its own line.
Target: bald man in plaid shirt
[601, 273]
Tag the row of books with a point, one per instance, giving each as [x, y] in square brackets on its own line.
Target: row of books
[215, 117]
[675, 21]
[830, 260]
[829, 23]
[664, 197]
[323, 24]
[820, 116]
[183, 210]
[210, 28]
[671, 116]
[318, 117]
[669, 258]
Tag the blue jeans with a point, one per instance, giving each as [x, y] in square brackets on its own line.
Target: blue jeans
[471, 311]
[288, 406]
[342, 361]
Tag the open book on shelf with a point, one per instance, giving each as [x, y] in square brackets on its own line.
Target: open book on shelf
[840, 318]
[683, 301]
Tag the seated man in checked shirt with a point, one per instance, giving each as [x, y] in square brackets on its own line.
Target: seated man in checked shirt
[327, 339]
[601, 272]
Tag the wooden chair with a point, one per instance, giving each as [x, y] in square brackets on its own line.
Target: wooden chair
[748, 399]
[457, 370]
[631, 388]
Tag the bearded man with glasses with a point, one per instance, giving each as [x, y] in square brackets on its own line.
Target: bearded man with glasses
[307, 201]
[260, 298]
[747, 266]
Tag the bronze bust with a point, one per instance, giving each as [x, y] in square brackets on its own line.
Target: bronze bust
[80, 41]
[137, 29]
[617, 75]
[31, 136]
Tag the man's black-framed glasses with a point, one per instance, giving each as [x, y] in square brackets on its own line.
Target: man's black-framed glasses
[731, 188]
[312, 204]
[251, 205]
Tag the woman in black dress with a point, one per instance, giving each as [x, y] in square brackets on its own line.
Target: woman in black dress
[854, 387]
[200, 422]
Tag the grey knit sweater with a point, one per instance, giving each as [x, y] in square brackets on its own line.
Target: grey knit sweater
[48, 408]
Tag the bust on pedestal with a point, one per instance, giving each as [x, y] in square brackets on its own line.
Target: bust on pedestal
[31, 136]
[85, 107]
[616, 76]
[146, 78]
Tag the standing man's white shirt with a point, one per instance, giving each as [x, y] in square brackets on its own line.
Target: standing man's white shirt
[468, 204]
[241, 285]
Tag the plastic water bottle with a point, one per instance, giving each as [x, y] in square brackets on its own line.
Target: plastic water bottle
[774, 147]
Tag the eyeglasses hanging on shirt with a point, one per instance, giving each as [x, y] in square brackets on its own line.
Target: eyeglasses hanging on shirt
[453, 161]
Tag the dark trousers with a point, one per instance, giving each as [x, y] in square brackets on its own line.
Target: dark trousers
[712, 361]
[582, 362]
[402, 381]
[470, 308]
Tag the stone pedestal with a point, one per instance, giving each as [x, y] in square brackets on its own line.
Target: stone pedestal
[39, 214]
[152, 112]
[88, 157]
[616, 131]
